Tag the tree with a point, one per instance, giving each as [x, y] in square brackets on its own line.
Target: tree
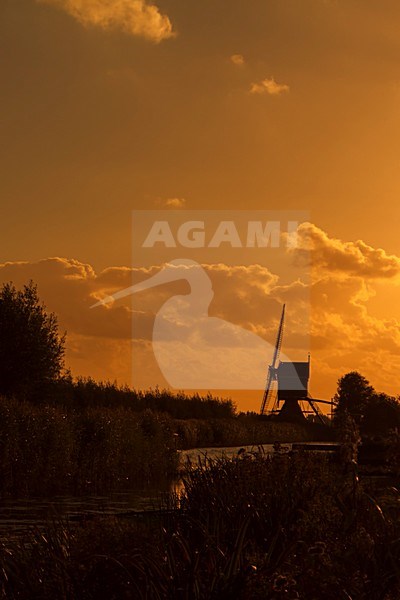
[31, 350]
[381, 415]
[353, 395]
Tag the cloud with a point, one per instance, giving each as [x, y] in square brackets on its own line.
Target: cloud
[269, 86]
[346, 335]
[238, 60]
[175, 203]
[99, 340]
[134, 17]
[351, 258]
[349, 281]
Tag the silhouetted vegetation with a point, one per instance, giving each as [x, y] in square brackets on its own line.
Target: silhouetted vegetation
[255, 527]
[84, 392]
[381, 415]
[31, 349]
[60, 435]
[45, 450]
[374, 413]
[200, 433]
[291, 526]
[352, 396]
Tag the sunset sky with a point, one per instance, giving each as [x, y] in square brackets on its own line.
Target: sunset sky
[110, 106]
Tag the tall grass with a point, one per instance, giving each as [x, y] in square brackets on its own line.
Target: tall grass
[197, 433]
[295, 526]
[86, 392]
[287, 527]
[46, 450]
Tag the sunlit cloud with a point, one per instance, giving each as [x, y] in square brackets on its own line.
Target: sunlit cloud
[134, 17]
[238, 60]
[343, 332]
[175, 203]
[352, 258]
[269, 86]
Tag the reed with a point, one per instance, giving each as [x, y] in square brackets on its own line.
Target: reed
[291, 526]
[46, 450]
[49, 449]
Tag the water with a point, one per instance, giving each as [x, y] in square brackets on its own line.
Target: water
[194, 454]
[19, 515]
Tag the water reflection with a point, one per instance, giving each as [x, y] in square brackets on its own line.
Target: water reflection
[19, 515]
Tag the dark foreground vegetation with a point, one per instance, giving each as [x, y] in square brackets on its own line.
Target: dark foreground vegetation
[47, 450]
[62, 435]
[292, 526]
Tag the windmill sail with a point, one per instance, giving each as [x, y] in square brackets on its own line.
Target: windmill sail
[271, 378]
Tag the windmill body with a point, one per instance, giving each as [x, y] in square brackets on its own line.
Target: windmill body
[286, 391]
[293, 380]
[292, 389]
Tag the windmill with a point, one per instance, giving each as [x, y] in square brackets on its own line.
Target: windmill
[286, 392]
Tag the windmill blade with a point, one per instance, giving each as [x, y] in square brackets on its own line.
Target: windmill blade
[268, 392]
[279, 337]
[269, 388]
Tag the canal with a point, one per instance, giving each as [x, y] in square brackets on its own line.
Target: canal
[17, 515]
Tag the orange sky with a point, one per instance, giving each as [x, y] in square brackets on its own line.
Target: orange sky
[107, 107]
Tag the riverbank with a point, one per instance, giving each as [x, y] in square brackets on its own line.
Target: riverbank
[250, 528]
[245, 431]
[47, 450]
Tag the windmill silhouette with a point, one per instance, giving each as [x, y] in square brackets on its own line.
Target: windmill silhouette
[195, 350]
[286, 392]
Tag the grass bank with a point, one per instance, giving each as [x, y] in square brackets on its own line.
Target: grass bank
[291, 527]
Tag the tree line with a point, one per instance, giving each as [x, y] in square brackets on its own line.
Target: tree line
[32, 367]
[374, 413]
